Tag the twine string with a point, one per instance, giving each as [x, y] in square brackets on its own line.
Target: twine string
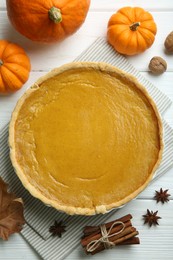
[94, 244]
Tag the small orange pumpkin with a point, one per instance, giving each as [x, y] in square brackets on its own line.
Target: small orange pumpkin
[47, 20]
[131, 30]
[14, 67]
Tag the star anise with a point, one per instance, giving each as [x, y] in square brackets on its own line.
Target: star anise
[161, 196]
[57, 229]
[151, 218]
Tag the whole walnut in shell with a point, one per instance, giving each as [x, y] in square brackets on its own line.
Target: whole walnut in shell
[169, 43]
[157, 65]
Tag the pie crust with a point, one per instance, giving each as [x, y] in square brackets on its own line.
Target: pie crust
[85, 138]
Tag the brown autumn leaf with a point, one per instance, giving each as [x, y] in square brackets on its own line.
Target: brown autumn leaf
[11, 212]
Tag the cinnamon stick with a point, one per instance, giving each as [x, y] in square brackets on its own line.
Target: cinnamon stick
[88, 230]
[116, 242]
[85, 241]
[118, 238]
[126, 236]
[130, 241]
[123, 234]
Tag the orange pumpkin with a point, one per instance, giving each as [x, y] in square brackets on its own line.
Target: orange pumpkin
[131, 30]
[14, 67]
[47, 20]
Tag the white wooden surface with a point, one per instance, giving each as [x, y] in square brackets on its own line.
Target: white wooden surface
[156, 242]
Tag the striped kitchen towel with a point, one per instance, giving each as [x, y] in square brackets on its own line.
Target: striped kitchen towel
[38, 216]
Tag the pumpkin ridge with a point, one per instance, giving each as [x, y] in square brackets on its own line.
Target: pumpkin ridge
[128, 42]
[146, 36]
[64, 28]
[115, 41]
[147, 43]
[22, 66]
[141, 46]
[2, 87]
[138, 14]
[146, 20]
[15, 64]
[24, 60]
[12, 55]
[62, 7]
[4, 51]
[117, 38]
[150, 29]
[17, 50]
[8, 81]
[119, 23]
[112, 41]
[130, 21]
[17, 74]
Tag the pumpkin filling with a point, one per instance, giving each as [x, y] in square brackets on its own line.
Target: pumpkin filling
[86, 138]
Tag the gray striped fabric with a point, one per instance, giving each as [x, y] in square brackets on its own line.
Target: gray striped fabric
[38, 216]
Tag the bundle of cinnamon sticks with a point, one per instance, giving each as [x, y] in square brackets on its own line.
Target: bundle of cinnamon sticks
[117, 232]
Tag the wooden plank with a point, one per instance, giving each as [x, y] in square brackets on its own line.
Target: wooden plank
[114, 5]
[17, 248]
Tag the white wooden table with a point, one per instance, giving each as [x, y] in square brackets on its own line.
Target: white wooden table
[156, 242]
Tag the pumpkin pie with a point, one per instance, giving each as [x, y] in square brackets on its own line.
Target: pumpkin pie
[85, 138]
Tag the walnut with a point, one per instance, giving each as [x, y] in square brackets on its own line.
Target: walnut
[169, 42]
[157, 65]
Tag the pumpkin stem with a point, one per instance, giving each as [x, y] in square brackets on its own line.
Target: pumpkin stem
[55, 14]
[1, 62]
[134, 26]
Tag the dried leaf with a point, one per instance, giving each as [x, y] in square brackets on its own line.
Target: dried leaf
[11, 212]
